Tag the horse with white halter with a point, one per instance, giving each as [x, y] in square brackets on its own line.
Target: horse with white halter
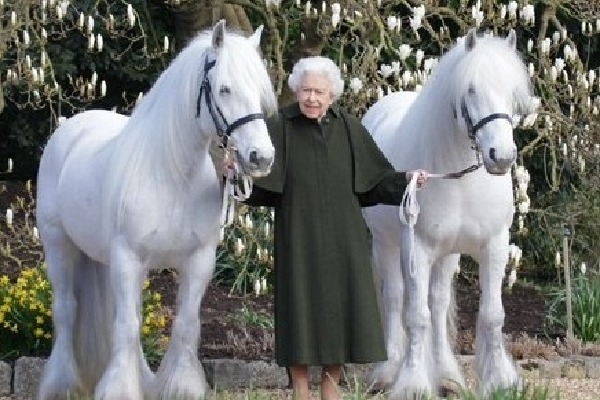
[118, 196]
[462, 114]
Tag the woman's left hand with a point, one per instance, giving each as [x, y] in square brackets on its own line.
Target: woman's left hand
[421, 176]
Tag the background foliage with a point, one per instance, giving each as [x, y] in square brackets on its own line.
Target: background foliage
[369, 39]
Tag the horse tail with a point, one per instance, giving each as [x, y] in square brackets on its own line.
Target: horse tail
[93, 320]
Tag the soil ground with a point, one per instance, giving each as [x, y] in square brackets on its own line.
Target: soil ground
[227, 330]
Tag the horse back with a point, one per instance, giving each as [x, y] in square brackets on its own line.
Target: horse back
[70, 171]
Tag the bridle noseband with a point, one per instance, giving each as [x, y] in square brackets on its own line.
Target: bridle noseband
[224, 129]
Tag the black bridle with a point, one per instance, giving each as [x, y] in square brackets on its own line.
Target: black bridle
[472, 133]
[224, 129]
[472, 129]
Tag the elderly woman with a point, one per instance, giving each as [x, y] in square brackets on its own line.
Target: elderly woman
[326, 168]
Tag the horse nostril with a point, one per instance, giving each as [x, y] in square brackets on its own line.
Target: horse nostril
[253, 157]
[493, 154]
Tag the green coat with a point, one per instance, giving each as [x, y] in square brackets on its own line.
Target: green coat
[325, 303]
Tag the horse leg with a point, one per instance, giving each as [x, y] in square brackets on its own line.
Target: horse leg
[441, 292]
[416, 375]
[386, 258]
[60, 378]
[122, 379]
[494, 366]
[181, 375]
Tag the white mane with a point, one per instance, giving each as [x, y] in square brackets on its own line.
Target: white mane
[161, 143]
[492, 67]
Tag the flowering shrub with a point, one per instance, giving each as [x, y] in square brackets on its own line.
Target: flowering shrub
[245, 256]
[26, 317]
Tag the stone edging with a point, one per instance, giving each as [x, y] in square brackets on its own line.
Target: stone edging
[22, 381]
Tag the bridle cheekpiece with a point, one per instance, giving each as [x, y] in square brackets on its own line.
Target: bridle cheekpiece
[224, 129]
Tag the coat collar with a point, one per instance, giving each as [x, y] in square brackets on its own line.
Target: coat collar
[293, 111]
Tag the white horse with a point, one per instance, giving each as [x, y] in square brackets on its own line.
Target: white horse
[118, 196]
[466, 104]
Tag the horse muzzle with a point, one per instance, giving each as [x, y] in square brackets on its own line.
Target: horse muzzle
[497, 163]
[257, 164]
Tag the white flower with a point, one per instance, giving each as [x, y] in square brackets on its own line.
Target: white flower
[386, 70]
[103, 88]
[512, 278]
[90, 24]
[581, 162]
[529, 120]
[521, 223]
[529, 45]
[557, 259]
[336, 8]
[10, 165]
[239, 246]
[248, 222]
[26, 38]
[568, 52]
[503, 11]
[559, 63]
[583, 268]
[419, 57]
[307, 8]
[267, 229]
[91, 41]
[392, 22]
[528, 14]
[512, 9]
[263, 284]
[166, 44]
[406, 78]
[130, 15]
[479, 18]
[404, 51]
[275, 3]
[13, 18]
[34, 75]
[531, 69]
[9, 217]
[99, 42]
[545, 46]
[257, 287]
[81, 20]
[356, 85]
[35, 233]
[523, 206]
[335, 20]
[591, 77]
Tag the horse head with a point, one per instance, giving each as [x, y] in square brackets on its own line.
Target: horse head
[235, 90]
[494, 86]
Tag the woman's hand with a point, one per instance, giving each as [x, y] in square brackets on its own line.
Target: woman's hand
[421, 176]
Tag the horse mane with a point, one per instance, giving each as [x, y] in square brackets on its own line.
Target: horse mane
[492, 66]
[163, 140]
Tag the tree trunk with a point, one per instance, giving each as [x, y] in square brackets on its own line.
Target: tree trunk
[196, 15]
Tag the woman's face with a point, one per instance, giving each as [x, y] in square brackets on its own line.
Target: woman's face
[314, 95]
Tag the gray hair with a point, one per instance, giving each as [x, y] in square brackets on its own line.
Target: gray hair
[321, 65]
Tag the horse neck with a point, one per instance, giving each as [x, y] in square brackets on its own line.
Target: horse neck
[442, 146]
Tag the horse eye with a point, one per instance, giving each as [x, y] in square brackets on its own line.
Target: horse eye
[224, 90]
[471, 89]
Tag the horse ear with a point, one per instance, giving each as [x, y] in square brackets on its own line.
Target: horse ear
[218, 35]
[255, 38]
[471, 39]
[512, 39]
